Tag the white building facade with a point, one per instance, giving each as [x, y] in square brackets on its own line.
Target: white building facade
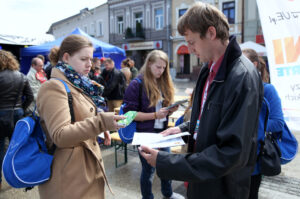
[94, 22]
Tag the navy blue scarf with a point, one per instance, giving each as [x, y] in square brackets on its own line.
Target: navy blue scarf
[93, 91]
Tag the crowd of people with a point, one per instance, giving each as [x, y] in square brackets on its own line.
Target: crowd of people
[225, 116]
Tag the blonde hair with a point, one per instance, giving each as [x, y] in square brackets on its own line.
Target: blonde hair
[70, 45]
[200, 17]
[164, 84]
[8, 61]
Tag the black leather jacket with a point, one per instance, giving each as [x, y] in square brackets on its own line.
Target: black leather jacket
[10, 82]
[115, 83]
[223, 156]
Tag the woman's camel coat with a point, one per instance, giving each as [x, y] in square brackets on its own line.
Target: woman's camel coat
[77, 168]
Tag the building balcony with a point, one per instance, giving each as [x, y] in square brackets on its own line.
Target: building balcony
[134, 34]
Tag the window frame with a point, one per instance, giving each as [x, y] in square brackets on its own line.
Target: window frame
[180, 9]
[85, 28]
[159, 18]
[93, 29]
[120, 24]
[227, 8]
[100, 30]
[140, 19]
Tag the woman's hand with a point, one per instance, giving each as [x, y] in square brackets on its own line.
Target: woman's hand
[162, 113]
[116, 119]
[171, 131]
[172, 110]
[107, 138]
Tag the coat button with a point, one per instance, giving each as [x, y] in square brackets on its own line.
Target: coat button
[94, 143]
[91, 109]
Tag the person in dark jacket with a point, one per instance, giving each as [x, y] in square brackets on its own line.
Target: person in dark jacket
[95, 72]
[13, 87]
[115, 83]
[224, 120]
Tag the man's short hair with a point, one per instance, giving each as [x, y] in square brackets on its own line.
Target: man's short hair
[200, 17]
[109, 60]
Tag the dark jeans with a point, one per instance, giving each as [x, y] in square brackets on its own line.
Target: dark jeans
[18, 114]
[254, 186]
[147, 178]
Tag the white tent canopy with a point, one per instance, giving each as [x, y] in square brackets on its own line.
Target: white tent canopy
[261, 50]
[20, 40]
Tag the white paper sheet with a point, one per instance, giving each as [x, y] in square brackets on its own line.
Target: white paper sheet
[156, 140]
[166, 143]
[101, 135]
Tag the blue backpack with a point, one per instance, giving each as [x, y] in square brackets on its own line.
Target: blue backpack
[288, 145]
[126, 134]
[27, 162]
[286, 141]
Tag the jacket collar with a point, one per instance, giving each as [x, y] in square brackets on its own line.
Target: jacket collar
[56, 73]
[32, 70]
[232, 52]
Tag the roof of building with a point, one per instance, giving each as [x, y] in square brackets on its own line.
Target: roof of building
[81, 12]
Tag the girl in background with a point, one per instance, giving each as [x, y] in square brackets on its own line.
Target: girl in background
[157, 92]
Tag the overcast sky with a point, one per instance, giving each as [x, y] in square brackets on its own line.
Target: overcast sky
[34, 17]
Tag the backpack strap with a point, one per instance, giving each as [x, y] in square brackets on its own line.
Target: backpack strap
[267, 115]
[70, 99]
[140, 92]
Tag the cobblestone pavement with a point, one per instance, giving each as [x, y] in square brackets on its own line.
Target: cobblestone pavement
[287, 184]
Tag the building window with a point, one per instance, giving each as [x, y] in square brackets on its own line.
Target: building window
[100, 33]
[159, 19]
[85, 29]
[120, 24]
[181, 12]
[93, 29]
[229, 11]
[138, 18]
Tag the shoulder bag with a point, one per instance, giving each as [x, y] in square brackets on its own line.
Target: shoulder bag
[269, 156]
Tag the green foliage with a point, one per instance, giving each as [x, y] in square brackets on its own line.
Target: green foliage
[128, 33]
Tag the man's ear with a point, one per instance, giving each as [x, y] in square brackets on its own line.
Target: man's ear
[65, 57]
[211, 32]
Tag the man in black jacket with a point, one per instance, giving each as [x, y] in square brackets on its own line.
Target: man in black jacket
[115, 84]
[224, 119]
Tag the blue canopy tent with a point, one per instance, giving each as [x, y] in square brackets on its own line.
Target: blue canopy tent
[102, 49]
